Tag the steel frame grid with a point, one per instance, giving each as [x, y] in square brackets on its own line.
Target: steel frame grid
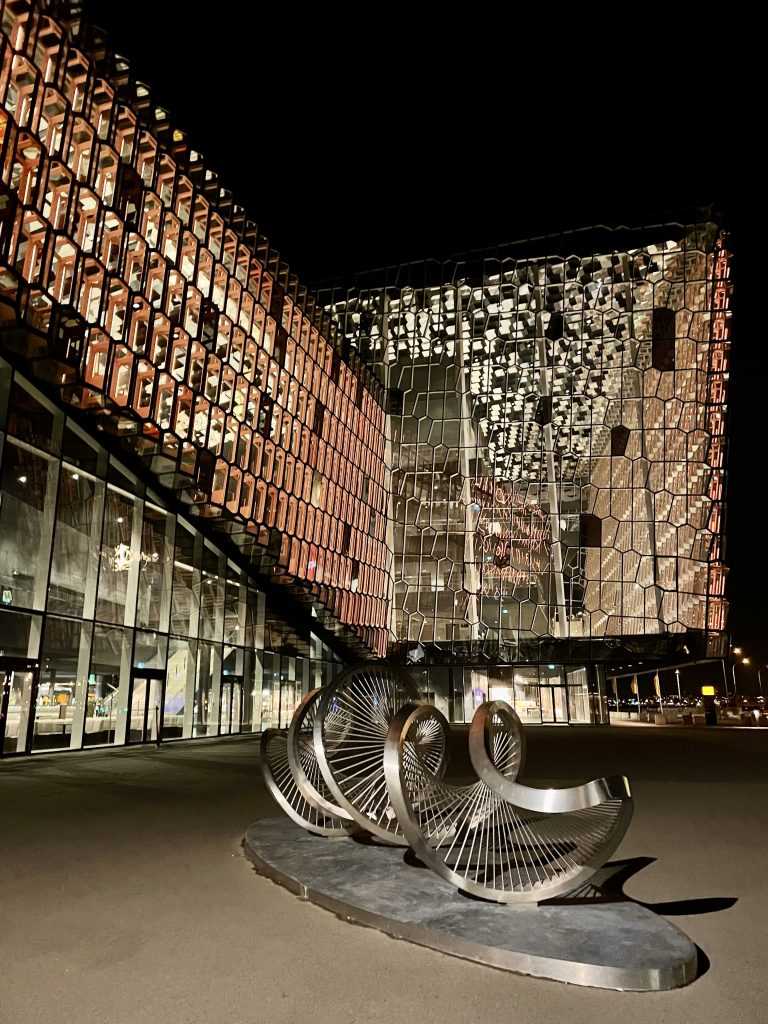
[149, 300]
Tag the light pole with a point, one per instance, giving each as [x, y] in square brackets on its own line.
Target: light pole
[679, 695]
[736, 651]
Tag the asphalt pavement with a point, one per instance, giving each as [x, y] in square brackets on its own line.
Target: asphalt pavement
[125, 897]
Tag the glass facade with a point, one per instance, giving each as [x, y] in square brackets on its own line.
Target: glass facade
[541, 694]
[556, 431]
[507, 470]
[141, 291]
[119, 622]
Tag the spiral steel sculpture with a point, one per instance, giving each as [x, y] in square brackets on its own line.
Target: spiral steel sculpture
[362, 754]
[291, 772]
[350, 730]
[496, 838]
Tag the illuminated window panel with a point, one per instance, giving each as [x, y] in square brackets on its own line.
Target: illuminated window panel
[150, 301]
[557, 436]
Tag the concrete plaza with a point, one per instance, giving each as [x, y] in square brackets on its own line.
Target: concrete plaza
[125, 896]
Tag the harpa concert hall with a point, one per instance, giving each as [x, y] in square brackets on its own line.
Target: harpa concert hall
[219, 488]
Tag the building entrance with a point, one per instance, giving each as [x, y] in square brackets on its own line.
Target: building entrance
[231, 704]
[18, 679]
[554, 704]
[146, 721]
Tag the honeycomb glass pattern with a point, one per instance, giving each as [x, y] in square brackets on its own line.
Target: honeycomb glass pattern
[556, 432]
[133, 286]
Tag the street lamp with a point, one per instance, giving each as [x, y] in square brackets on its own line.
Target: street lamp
[679, 695]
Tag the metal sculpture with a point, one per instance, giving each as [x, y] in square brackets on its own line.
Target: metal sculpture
[291, 773]
[496, 838]
[350, 730]
[361, 754]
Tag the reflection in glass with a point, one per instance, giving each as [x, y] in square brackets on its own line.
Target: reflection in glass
[251, 709]
[19, 634]
[80, 548]
[149, 650]
[108, 683]
[18, 686]
[578, 695]
[234, 612]
[146, 709]
[63, 682]
[155, 569]
[31, 417]
[185, 604]
[270, 691]
[179, 688]
[27, 493]
[80, 450]
[212, 596]
[75, 564]
[119, 560]
[205, 718]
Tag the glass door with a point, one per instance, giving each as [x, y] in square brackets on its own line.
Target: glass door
[554, 705]
[230, 705]
[17, 701]
[547, 704]
[225, 707]
[145, 725]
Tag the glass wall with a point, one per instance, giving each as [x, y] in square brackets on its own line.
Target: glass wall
[119, 622]
[541, 694]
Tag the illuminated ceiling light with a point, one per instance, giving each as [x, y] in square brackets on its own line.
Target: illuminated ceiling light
[22, 479]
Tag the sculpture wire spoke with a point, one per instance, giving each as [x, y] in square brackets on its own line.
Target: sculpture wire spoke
[303, 759]
[478, 839]
[282, 784]
[360, 752]
[350, 729]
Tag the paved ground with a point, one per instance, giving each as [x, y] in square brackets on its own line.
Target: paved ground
[124, 896]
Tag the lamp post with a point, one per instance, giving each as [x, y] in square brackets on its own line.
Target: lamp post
[679, 695]
[736, 651]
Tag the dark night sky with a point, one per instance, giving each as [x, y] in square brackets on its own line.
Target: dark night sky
[364, 142]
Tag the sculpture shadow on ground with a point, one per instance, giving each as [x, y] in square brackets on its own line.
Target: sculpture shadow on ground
[608, 887]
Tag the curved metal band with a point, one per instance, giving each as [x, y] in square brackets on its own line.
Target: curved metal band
[477, 839]
[350, 729]
[483, 746]
[301, 752]
[281, 783]
[543, 801]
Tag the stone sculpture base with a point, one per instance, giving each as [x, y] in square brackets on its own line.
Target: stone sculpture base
[615, 945]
